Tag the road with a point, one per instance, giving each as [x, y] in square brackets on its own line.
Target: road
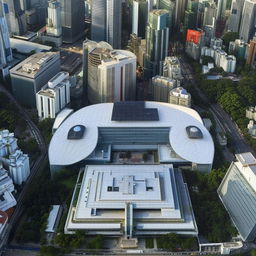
[39, 163]
[221, 117]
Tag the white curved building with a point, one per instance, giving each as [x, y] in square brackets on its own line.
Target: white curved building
[175, 133]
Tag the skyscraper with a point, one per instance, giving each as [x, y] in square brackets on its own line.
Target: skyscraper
[235, 16]
[72, 19]
[106, 22]
[139, 17]
[221, 9]
[16, 17]
[180, 6]
[54, 19]
[111, 74]
[157, 39]
[247, 27]
[168, 5]
[5, 48]
[190, 19]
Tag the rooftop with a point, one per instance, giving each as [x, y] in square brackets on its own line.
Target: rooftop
[173, 117]
[34, 64]
[156, 193]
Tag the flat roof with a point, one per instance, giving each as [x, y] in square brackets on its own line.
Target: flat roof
[66, 152]
[52, 218]
[26, 46]
[34, 64]
[157, 193]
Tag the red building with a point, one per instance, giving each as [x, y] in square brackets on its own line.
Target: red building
[194, 36]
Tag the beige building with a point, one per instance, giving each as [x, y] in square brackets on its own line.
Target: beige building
[161, 87]
[180, 96]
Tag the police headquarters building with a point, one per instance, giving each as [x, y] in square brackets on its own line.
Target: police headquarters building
[132, 153]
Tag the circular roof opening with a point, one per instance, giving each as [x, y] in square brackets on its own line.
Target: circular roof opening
[76, 132]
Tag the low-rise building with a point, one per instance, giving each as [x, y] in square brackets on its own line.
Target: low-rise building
[216, 43]
[3, 223]
[180, 96]
[237, 192]
[238, 48]
[126, 200]
[54, 96]
[251, 113]
[252, 128]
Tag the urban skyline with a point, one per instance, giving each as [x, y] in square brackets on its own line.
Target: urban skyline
[127, 127]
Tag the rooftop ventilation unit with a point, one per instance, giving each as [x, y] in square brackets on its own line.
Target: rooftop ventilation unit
[194, 132]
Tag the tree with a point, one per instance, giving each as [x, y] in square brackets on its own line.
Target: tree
[96, 243]
[50, 251]
[228, 37]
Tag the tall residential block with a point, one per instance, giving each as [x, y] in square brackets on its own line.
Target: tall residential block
[54, 96]
[161, 87]
[16, 17]
[221, 9]
[247, 26]
[139, 17]
[72, 19]
[29, 76]
[235, 16]
[111, 74]
[237, 192]
[157, 41]
[106, 22]
[180, 7]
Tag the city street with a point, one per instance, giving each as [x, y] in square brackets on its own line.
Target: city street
[221, 117]
[39, 163]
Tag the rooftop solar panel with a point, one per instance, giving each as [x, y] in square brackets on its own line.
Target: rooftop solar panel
[133, 111]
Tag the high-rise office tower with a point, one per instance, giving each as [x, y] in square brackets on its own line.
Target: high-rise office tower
[180, 6]
[72, 19]
[209, 16]
[139, 17]
[190, 19]
[5, 47]
[110, 74]
[237, 192]
[54, 19]
[157, 40]
[106, 22]
[15, 17]
[235, 16]
[168, 5]
[247, 26]
[221, 9]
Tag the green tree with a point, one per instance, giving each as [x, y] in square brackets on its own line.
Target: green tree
[228, 37]
[50, 251]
